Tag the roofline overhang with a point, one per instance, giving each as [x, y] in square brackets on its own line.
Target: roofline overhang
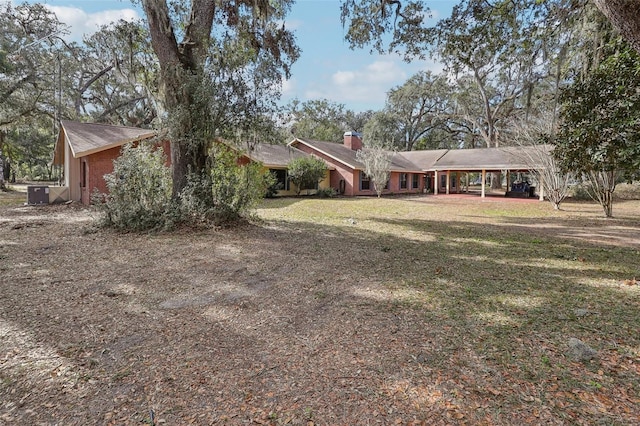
[110, 146]
[490, 168]
[324, 153]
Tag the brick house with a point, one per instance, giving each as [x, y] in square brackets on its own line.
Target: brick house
[86, 151]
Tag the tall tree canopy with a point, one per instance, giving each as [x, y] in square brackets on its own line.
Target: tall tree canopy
[186, 36]
[600, 131]
[30, 32]
[419, 106]
[318, 119]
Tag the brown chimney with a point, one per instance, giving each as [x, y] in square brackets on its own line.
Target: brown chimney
[353, 140]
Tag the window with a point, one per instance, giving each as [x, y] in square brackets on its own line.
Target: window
[282, 179]
[415, 181]
[365, 182]
[403, 181]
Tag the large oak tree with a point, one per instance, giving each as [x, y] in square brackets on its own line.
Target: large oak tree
[625, 16]
[183, 34]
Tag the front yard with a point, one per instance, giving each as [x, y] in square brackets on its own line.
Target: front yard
[416, 310]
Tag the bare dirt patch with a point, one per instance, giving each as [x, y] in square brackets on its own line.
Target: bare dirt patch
[322, 312]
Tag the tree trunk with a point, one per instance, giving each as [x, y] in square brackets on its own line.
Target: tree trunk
[607, 203]
[625, 17]
[180, 66]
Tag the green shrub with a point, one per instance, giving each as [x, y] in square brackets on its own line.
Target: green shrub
[326, 192]
[306, 172]
[627, 191]
[139, 195]
[581, 192]
[274, 186]
[226, 192]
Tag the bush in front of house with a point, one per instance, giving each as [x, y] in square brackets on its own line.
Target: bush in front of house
[139, 196]
[306, 172]
[226, 191]
[140, 191]
[328, 192]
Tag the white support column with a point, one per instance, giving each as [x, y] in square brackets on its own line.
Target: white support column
[484, 177]
[541, 189]
[448, 181]
[435, 183]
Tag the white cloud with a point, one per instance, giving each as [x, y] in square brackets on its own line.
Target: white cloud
[366, 85]
[82, 23]
[289, 88]
[291, 24]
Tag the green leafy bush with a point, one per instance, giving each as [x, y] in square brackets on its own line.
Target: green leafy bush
[326, 192]
[306, 172]
[139, 195]
[226, 192]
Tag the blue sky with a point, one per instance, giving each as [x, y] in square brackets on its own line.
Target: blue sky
[327, 68]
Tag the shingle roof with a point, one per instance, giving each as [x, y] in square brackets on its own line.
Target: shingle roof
[347, 156]
[422, 160]
[274, 155]
[337, 151]
[89, 138]
[502, 158]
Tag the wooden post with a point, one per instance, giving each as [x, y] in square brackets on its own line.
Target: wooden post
[484, 176]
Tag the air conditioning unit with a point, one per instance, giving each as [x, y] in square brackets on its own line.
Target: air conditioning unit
[37, 194]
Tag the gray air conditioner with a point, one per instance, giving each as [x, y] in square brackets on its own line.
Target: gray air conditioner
[37, 194]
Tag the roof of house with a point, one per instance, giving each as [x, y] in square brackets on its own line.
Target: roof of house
[422, 160]
[501, 158]
[347, 156]
[89, 138]
[274, 156]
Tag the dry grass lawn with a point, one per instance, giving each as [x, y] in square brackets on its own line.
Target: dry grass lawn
[424, 310]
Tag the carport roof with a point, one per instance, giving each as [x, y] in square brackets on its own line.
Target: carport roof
[501, 158]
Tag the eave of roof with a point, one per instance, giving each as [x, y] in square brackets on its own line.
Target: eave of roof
[490, 159]
[321, 148]
[89, 138]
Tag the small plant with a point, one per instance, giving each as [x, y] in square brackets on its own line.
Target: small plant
[308, 413]
[272, 187]
[326, 192]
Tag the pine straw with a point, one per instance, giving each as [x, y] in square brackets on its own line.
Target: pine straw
[340, 312]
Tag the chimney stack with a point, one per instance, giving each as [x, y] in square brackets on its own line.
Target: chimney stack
[353, 140]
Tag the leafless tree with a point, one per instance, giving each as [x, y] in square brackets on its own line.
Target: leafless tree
[531, 135]
[377, 165]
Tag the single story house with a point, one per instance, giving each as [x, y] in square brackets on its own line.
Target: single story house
[348, 176]
[86, 151]
[436, 171]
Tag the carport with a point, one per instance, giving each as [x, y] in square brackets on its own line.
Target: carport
[511, 159]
